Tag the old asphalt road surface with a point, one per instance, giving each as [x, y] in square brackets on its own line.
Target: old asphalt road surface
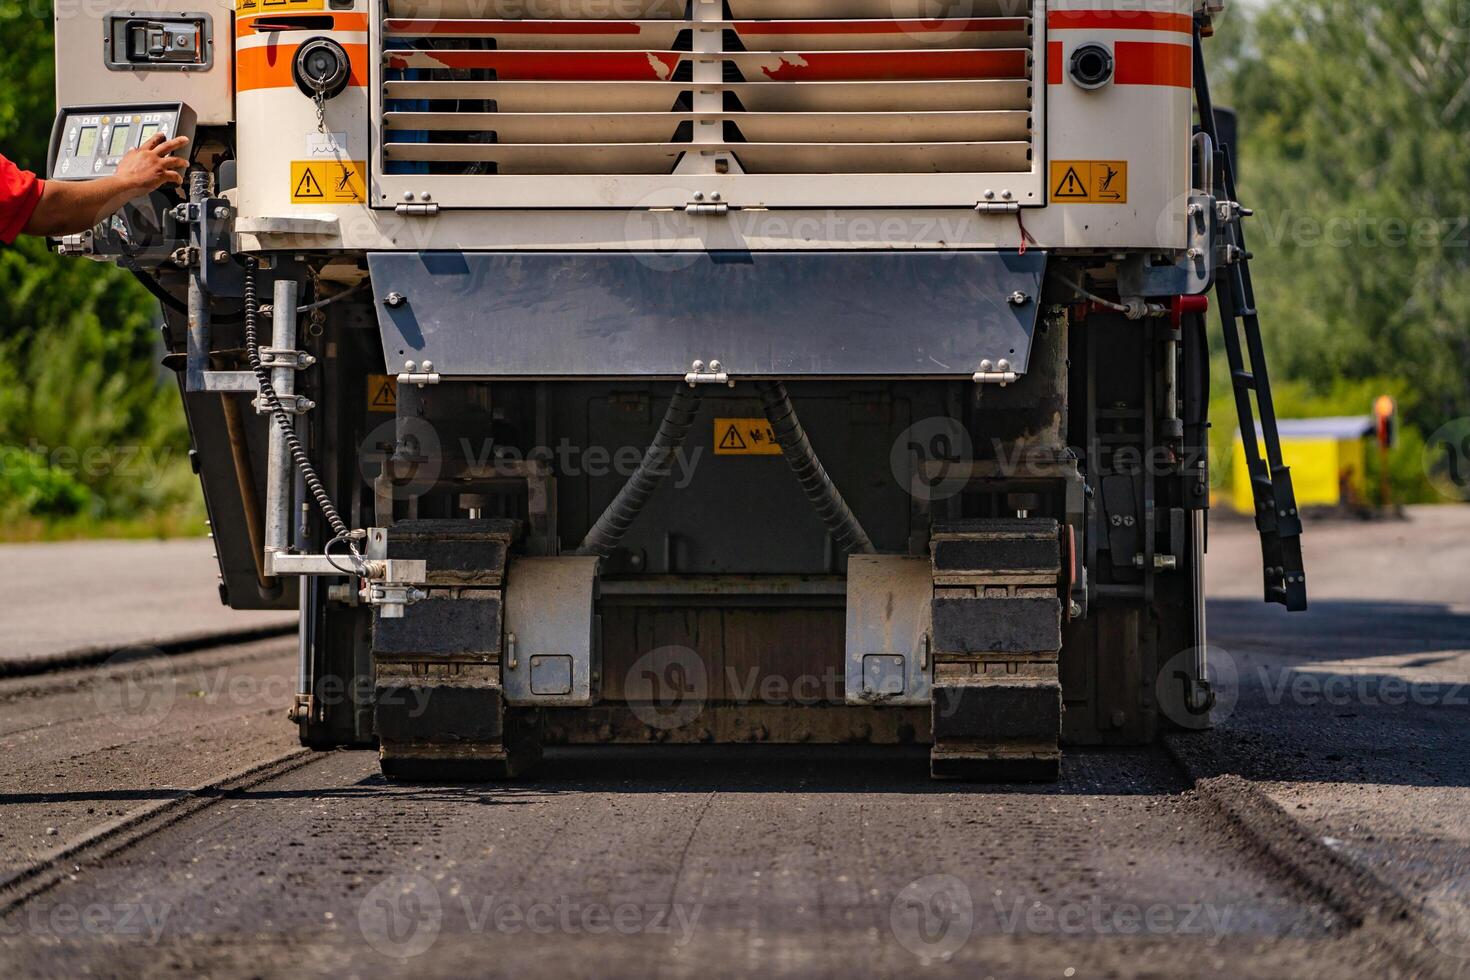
[161, 822]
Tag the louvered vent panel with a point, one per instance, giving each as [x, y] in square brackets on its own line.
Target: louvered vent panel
[648, 87]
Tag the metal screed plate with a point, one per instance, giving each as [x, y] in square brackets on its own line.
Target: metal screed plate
[760, 314]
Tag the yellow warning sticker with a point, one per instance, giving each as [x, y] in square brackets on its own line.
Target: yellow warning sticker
[244, 8]
[1089, 182]
[745, 437]
[382, 393]
[328, 182]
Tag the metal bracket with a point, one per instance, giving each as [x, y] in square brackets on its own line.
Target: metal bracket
[700, 206]
[412, 374]
[242, 381]
[713, 374]
[296, 360]
[997, 373]
[290, 404]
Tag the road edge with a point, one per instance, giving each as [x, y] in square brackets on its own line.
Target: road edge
[91, 656]
[1365, 901]
[107, 839]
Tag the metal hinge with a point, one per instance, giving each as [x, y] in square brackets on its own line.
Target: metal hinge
[413, 374]
[998, 207]
[720, 208]
[714, 374]
[999, 373]
[417, 209]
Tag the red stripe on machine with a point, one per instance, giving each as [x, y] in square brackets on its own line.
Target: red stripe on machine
[914, 27]
[838, 66]
[1137, 63]
[548, 66]
[1119, 20]
[1147, 63]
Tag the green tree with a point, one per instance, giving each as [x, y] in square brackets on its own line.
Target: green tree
[1355, 121]
[89, 425]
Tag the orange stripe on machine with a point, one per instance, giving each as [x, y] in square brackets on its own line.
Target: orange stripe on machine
[269, 66]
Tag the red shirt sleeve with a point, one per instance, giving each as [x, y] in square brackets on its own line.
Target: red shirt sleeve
[20, 192]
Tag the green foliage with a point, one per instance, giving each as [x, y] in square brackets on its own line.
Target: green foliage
[1355, 123]
[29, 485]
[89, 424]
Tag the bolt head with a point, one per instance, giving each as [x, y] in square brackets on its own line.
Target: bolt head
[990, 195]
[987, 365]
[714, 366]
[408, 195]
[697, 366]
[1002, 365]
[1019, 298]
[428, 367]
[410, 366]
[699, 195]
[394, 299]
[425, 196]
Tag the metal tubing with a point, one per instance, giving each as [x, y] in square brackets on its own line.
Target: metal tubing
[279, 474]
[197, 363]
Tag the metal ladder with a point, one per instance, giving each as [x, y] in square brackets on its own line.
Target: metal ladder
[1277, 517]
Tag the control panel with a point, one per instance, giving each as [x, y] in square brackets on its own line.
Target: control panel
[90, 141]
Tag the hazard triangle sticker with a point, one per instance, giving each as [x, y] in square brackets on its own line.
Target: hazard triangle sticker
[731, 440]
[1071, 185]
[308, 186]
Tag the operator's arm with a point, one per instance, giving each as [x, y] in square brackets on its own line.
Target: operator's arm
[69, 207]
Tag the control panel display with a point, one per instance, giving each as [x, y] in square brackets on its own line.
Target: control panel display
[90, 142]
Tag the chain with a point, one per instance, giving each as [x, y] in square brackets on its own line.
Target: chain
[320, 98]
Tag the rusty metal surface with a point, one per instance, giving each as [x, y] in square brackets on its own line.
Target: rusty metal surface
[888, 620]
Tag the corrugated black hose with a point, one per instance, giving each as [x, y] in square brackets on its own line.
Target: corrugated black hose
[287, 425]
[657, 461]
[815, 483]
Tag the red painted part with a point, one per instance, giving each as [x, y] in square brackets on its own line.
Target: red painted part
[492, 27]
[917, 27]
[1148, 63]
[1137, 63]
[557, 66]
[1119, 20]
[836, 66]
[1179, 306]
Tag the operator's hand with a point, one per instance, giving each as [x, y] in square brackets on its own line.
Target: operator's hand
[69, 207]
[152, 165]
